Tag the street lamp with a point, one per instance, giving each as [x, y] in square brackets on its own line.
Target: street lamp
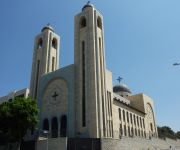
[46, 132]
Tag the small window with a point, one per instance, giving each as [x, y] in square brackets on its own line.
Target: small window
[54, 43]
[83, 22]
[99, 22]
[40, 43]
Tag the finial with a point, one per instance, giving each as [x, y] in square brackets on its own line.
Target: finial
[119, 79]
[88, 2]
[48, 24]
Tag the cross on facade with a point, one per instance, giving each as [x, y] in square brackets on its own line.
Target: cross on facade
[55, 95]
[119, 79]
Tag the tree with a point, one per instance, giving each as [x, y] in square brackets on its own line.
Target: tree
[178, 134]
[17, 117]
[166, 131]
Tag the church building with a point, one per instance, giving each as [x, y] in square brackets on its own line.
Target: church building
[79, 100]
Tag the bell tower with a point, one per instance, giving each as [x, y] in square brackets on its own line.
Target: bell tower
[45, 57]
[92, 113]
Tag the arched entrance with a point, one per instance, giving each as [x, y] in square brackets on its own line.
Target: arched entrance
[63, 126]
[46, 125]
[54, 128]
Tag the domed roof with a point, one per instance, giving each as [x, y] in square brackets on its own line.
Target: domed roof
[87, 5]
[121, 88]
[47, 27]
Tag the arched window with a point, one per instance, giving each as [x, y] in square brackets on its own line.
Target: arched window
[40, 43]
[83, 22]
[99, 22]
[63, 126]
[54, 127]
[46, 124]
[54, 43]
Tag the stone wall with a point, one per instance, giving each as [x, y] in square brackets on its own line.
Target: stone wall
[53, 144]
[139, 144]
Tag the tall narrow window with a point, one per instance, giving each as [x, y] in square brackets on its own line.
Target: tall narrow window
[140, 122]
[134, 120]
[40, 43]
[137, 121]
[53, 60]
[143, 123]
[83, 86]
[131, 118]
[129, 132]
[37, 78]
[132, 131]
[119, 113]
[135, 131]
[125, 133]
[124, 115]
[151, 125]
[120, 131]
[127, 116]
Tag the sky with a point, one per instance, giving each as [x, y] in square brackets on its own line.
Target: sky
[142, 41]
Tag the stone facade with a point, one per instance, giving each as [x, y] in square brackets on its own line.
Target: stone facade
[79, 100]
[78, 103]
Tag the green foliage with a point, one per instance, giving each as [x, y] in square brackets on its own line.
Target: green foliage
[17, 117]
[166, 131]
[178, 135]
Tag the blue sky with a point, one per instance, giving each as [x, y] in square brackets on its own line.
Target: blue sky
[142, 40]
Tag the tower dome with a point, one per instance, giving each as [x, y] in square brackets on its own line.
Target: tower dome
[122, 90]
[48, 26]
[88, 5]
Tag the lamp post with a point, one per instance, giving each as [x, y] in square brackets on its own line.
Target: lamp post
[46, 132]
